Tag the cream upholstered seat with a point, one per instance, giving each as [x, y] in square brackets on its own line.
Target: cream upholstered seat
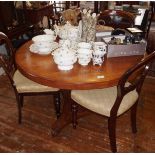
[114, 101]
[24, 85]
[102, 100]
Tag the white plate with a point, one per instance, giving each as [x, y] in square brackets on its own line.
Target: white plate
[45, 51]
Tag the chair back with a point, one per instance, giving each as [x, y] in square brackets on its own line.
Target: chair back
[140, 70]
[116, 18]
[8, 61]
[149, 19]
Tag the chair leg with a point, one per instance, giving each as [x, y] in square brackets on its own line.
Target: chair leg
[74, 114]
[57, 103]
[19, 108]
[141, 100]
[21, 99]
[112, 133]
[133, 117]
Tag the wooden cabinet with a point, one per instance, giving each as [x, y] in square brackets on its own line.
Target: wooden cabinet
[15, 22]
[12, 22]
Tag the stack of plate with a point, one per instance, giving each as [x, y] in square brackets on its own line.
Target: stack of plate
[43, 44]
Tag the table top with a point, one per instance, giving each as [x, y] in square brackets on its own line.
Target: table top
[43, 70]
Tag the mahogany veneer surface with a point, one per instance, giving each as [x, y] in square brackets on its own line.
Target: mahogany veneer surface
[42, 69]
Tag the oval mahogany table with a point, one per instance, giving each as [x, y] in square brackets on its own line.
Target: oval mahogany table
[43, 70]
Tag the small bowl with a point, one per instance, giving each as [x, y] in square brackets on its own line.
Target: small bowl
[43, 38]
[84, 51]
[44, 51]
[43, 44]
[84, 61]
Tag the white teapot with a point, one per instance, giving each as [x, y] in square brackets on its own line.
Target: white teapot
[67, 31]
[64, 58]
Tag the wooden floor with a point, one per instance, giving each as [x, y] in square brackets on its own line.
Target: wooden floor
[91, 134]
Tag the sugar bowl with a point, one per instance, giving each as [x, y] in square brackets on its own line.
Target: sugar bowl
[64, 57]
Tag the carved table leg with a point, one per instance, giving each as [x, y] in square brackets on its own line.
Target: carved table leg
[57, 103]
[66, 116]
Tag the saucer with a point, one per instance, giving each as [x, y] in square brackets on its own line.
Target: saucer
[43, 51]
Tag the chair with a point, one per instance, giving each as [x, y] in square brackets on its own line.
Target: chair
[23, 86]
[114, 101]
[116, 19]
[146, 23]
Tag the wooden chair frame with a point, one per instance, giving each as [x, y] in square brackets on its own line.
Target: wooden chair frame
[149, 19]
[105, 15]
[8, 64]
[141, 69]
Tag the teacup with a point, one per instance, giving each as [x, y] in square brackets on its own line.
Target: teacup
[84, 61]
[85, 51]
[88, 56]
[84, 45]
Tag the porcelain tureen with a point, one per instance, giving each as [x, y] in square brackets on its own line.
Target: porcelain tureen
[64, 57]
